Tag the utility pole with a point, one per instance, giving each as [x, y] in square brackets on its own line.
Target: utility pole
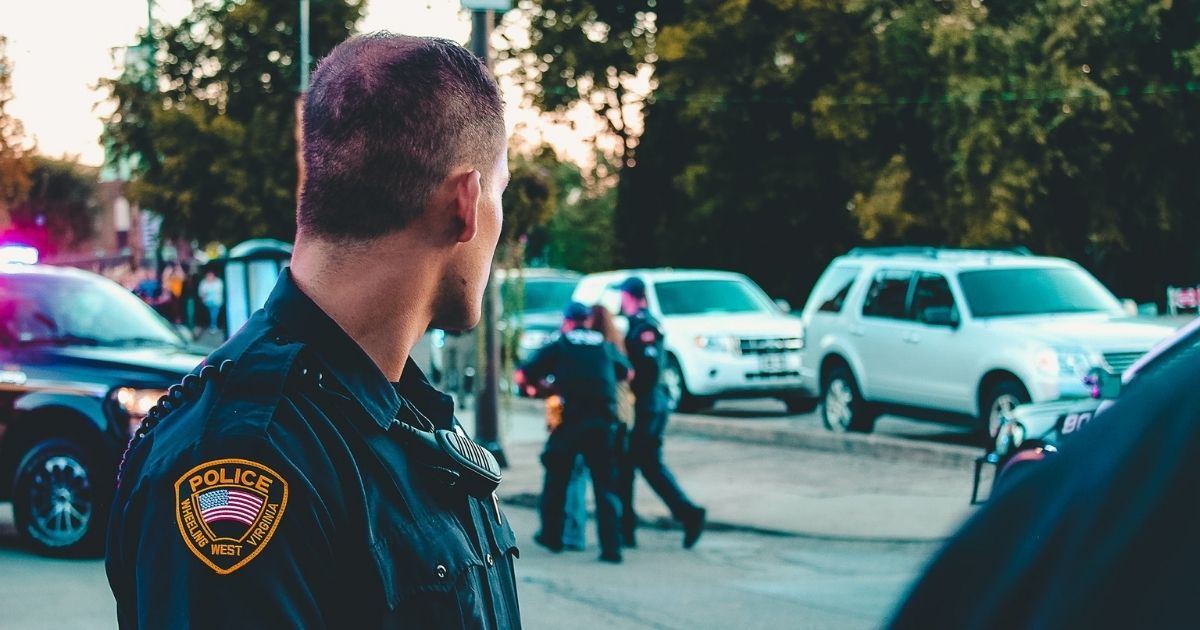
[487, 417]
[305, 62]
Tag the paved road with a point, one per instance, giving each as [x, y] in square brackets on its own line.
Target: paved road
[824, 576]
[730, 580]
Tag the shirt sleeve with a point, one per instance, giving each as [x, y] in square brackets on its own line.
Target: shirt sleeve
[234, 537]
[646, 354]
[541, 364]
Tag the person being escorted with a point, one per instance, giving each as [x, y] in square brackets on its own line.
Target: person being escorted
[586, 369]
[644, 343]
[309, 476]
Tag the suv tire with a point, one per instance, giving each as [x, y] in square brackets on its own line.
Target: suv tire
[1002, 397]
[842, 406]
[61, 499]
[678, 397]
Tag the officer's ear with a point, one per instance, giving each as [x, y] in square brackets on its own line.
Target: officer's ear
[468, 191]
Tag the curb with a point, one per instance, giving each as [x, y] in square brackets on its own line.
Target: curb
[880, 447]
[532, 501]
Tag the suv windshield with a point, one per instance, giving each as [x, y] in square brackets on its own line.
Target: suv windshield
[696, 297]
[541, 294]
[1034, 291]
[44, 309]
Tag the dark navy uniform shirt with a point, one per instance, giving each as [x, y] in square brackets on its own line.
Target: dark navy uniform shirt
[644, 342]
[585, 368]
[275, 492]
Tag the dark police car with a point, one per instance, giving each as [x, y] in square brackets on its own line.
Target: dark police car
[81, 362]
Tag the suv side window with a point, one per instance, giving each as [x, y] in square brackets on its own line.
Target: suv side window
[888, 295]
[832, 289]
[931, 291]
[611, 299]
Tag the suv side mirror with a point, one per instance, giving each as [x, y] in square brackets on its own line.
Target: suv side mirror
[940, 316]
[783, 305]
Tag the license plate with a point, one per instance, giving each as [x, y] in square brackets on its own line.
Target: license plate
[776, 362]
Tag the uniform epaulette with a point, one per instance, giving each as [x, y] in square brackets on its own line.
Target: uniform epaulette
[176, 397]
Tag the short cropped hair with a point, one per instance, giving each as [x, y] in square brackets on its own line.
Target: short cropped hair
[385, 120]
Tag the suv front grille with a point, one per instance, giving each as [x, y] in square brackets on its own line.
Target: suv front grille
[1118, 362]
[770, 346]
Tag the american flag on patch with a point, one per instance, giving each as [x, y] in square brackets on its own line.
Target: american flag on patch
[229, 505]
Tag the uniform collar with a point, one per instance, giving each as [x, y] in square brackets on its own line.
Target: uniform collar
[343, 358]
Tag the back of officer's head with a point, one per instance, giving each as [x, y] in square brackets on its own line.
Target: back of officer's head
[385, 120]
[405, 149]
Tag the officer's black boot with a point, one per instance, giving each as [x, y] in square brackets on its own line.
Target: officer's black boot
[693, 526]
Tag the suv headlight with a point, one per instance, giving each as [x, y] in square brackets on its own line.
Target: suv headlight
[137, 403]
[718, 343]
[1065, 362]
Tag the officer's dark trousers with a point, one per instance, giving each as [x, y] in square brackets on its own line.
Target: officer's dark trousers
[644, 453]
[596, 439]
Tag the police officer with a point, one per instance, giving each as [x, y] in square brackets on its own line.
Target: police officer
[644, 342]
[291, 481]
[586, 368]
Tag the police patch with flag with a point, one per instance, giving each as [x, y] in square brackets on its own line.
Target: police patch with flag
[227, 510]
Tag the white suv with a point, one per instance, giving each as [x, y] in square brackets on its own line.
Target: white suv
[724, 337]
[959, 334]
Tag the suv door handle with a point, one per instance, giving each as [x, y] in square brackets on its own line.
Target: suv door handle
[857, 331]
[912, 337]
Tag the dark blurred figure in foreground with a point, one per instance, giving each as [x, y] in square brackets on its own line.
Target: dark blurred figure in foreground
[644, 343]
[586, 369]
[1104, 535]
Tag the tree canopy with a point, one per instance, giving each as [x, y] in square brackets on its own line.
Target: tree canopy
[212, 133]
[781, 132]
[15, 162]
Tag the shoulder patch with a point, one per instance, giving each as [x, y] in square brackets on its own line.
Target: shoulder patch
[227, 510]
[584, 337]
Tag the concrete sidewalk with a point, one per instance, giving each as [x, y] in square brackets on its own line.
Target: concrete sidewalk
[778, 484]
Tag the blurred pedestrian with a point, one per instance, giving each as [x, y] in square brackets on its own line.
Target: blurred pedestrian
[644, 342]
[586, 369]
[310, 476]
[173, 281]
[212, 294]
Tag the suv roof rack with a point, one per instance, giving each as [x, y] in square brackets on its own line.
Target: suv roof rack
[934, 252]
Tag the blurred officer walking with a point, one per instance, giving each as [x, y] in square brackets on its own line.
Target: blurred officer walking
[297, 480]
[644, 342]
[586, 368]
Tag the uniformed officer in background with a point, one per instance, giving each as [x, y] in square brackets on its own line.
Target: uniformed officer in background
[291, 483]
[585, 368]
[644, 343]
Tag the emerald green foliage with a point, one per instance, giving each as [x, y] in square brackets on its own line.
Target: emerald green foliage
[782, 132]
[214, 140]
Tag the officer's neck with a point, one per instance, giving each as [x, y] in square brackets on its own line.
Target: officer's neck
[384, 311]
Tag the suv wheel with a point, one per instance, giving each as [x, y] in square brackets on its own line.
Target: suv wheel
[60, 501]
[678, 397]
[842, 406]
[1000, 400]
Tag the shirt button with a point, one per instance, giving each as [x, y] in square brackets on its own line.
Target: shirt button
[441, 571]
[490, 560]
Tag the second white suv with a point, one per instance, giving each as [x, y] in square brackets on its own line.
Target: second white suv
[724, 337]
[959, 334]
